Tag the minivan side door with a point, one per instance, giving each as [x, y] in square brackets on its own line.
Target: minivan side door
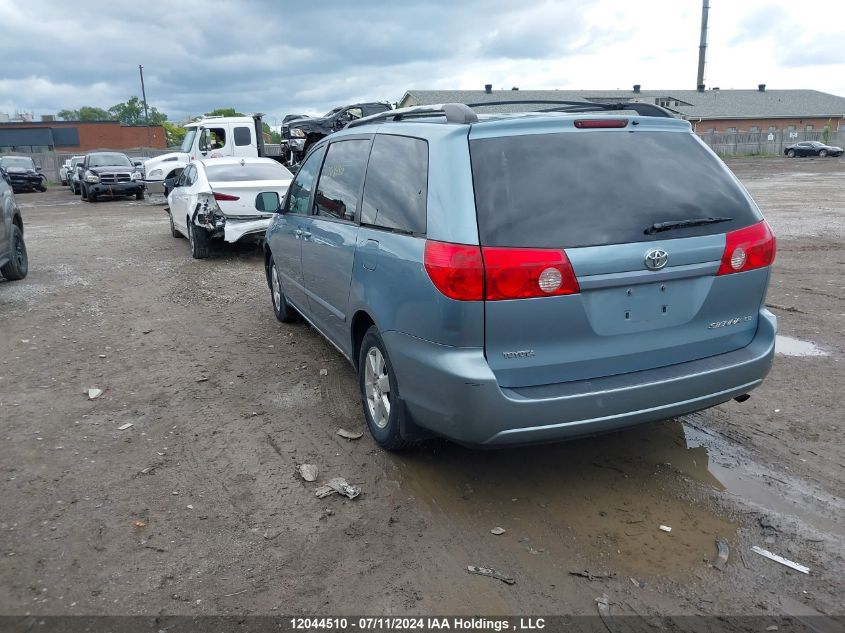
[328, 249]
[287, 231]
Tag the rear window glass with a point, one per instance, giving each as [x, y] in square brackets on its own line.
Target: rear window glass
[234, 172]
[590, 188]
[242, 136]
[397, 184]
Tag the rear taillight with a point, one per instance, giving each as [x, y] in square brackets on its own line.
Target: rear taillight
[522, 273]
[747, 249]
[470, 273]
[593, 124]
[456, 270]
[225, 196]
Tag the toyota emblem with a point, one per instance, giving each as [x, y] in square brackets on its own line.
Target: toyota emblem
[656, 259]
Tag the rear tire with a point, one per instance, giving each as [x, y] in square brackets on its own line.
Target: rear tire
[17, 267]
[791, 153]
[173, 231]
[383, 409]
[199, 239]
[284, 311]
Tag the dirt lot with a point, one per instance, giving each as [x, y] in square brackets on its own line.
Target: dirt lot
[198, 509]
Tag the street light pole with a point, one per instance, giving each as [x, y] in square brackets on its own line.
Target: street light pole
[144, 96]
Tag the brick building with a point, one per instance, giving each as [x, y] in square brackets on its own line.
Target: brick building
[783, 113]
[78, 136]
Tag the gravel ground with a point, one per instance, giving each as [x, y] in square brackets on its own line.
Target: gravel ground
[197, 508]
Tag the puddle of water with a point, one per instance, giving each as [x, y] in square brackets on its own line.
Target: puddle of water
[788, 346]
[593, 503]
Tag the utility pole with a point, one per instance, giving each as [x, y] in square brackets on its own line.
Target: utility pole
[144, 96]
[702, 49]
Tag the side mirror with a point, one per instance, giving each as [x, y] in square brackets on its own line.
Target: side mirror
[268, 202]
[169, 185]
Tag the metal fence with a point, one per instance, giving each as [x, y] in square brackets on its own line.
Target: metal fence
[767, 143]
[51, 161]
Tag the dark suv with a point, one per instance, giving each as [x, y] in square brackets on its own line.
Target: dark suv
[23, 173]
[110, 174]
[298, 135]
[13, 259]
[519, 278]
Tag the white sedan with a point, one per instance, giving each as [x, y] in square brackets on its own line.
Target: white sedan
[215, 198]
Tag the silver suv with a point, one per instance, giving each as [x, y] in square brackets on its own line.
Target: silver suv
[525, 277]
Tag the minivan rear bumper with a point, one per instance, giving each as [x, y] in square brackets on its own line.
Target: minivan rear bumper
[452, 392]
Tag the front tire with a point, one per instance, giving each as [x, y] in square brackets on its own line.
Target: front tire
[823, 153]
[199, 239]
[173, 231]
[284, 311]
[139, 195]
[17, 267]
[383, 409]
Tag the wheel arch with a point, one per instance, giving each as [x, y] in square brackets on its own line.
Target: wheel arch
[268, 254]
[361, 322]
[17, 220]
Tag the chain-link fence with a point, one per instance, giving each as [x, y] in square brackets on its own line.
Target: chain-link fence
[51, 161]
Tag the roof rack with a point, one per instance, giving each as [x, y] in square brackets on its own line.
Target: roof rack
[464, 114]
[643, 109]
[454, 113]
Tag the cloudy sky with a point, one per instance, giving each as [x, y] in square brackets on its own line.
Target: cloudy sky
[307, 57]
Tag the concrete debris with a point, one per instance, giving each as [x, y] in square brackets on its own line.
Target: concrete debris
[780, 559]
[123, 427]
[350, 435]
[94, 393]
[324, 372]
[308, 472]
[498, 531]
[665, 528]
[337, 485]
[491, 573]
[723, 552]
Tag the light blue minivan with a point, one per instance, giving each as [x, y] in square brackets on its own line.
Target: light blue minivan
[519, 278]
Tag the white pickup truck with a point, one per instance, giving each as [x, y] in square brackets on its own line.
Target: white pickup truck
[211, 137]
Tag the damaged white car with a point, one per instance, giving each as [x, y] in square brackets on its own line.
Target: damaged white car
[215, 199]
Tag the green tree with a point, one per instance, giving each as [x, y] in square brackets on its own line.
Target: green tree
[224, 112]
[86, 113]
[131, 112]
[175, 134]
[275, 137]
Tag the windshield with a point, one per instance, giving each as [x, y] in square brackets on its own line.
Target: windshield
[332, 111]
[188, 142]
[234, 172]
[109, 160]
[15, 161]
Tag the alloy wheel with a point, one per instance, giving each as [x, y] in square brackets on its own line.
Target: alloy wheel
[377, 387]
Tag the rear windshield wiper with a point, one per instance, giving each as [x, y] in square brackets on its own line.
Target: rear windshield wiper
[657, 227]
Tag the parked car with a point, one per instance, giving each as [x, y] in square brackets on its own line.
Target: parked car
[14, 263]
[139, 162]
[23, 174]
[66, 169]
[215, 199]
[812, 148]
[109, 174]
[298, 135]
[74, 174]
[511, 279]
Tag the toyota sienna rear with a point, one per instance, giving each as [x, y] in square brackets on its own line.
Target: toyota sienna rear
[569, 274]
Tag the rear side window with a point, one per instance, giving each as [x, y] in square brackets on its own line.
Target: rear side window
[591, 188]
[242, 136]
[397, 184]
[341, 179]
